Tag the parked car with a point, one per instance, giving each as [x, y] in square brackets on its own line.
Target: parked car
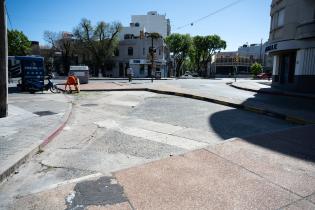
[264, 76]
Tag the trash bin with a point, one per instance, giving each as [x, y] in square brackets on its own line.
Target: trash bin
[82, 72]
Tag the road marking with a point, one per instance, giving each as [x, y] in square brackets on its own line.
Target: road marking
[71, 181]
[150, 135]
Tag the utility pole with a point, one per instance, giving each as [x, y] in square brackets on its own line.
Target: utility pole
[3, 62]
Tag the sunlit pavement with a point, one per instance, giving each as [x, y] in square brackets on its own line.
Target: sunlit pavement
[141, 150]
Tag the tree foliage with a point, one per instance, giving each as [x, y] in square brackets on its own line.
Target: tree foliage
[100, 41]
[196, 52]
[204, 47]
[256, 68]
[179, 45]
[63, 43]
[18, 43]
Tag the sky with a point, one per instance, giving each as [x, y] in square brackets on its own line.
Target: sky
[246, 22]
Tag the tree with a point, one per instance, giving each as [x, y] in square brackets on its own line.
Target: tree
[63, 43]
[179, 45]
[18, 43]
[207, 46]
[256, 68]
[99, 41]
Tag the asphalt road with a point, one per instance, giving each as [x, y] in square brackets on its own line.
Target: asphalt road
[110, 131]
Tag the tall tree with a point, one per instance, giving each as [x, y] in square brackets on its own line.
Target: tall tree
[62, 42]
[179, 45]
[209, 46]
[100, 41]
[18, 43]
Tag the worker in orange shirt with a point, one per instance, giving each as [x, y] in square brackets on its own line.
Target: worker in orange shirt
[72, 80]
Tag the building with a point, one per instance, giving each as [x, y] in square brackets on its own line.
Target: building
[292, 44]
[152, 22]
[135, 45]
[224, 62]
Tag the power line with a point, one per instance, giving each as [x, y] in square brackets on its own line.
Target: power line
[211, 14]
[8, 17]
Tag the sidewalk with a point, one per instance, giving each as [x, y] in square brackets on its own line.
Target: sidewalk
[258, 87]
[270, 171]
[296, 110]
[34, 119]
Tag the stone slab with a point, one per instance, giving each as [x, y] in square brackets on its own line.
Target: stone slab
[200, 180]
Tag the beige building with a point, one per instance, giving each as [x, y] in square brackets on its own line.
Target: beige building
[292, 44]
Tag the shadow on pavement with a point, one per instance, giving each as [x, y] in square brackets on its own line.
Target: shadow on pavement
[298, 141]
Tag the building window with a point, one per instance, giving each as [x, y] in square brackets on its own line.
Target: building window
[141, 69]
[277, 20]
[137, 24]
[143, 51]
[130, 51]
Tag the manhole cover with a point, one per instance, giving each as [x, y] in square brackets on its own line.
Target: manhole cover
[44, 113]
[89, 105]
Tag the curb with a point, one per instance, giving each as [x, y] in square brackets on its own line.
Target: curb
[8, 172]
[282, 93]
[269, 113]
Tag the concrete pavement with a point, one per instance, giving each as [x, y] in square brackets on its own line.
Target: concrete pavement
[236, 174]
[265, 87]
[292, 109]
[241, 173]
[34, 119]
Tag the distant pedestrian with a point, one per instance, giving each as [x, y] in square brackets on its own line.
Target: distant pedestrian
[130, 73]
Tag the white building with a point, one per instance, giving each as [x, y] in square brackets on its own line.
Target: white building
[135, 44]
[152, 22]
[292, 44]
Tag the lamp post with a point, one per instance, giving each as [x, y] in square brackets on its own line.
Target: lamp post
[152, 51]
[3, 62]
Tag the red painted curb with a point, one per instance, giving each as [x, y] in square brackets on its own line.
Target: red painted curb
[34, 151]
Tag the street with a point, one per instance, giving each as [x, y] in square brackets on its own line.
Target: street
[111, 131]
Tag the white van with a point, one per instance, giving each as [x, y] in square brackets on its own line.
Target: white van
[82, 72]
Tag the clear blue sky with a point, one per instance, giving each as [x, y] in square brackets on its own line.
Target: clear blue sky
[247, 21]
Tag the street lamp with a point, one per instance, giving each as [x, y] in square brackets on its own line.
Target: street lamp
[152, 51]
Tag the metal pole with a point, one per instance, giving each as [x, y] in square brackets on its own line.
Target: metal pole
[3, 62]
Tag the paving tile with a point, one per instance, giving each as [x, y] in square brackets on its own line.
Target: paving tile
[290, 172]
[300, 205]
[199, 180]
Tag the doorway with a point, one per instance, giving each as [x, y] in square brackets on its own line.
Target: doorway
[287, 68]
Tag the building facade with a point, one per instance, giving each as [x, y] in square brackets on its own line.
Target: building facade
[135, 53]
[292, 44]
[152, 22]
[224, 63]
[135, 45]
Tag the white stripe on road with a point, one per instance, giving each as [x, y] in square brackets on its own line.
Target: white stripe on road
[152, 135]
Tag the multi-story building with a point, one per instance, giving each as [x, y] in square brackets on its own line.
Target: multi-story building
[135, 44]
[292, 44]
[152, 22]
[225, 62]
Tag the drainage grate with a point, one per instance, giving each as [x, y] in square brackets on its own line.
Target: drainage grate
[44, 113]
[89, 105]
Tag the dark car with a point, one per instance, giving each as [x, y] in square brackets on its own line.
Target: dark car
[264, 76]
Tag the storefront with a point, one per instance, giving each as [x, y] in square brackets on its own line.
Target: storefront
[294, 64]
